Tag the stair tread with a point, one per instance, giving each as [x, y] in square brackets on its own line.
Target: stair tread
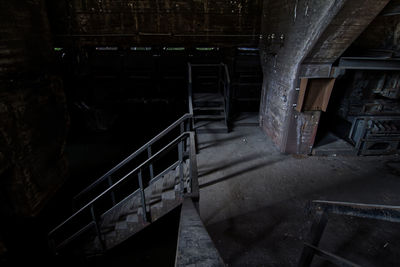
[209, 108]
[209, 117]
[207, 97]
[126, 220]
[132, 218]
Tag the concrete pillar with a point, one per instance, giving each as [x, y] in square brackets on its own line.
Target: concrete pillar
[303, 38]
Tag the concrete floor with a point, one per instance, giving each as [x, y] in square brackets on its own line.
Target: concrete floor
[254, 201]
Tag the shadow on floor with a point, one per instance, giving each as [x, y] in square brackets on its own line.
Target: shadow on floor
[215, 142]
[250, 168]
[221, 165]
[274, 235]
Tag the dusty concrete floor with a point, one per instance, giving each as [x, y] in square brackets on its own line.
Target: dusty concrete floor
[254, 201]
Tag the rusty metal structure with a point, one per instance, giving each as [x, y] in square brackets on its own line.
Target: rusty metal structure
[296, 64]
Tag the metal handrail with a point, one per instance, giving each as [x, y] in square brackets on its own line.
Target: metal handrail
[110, 189]
[224, 78]
[323, 208]
[78, 233]
[186, 136]
[370, 211]
[161, 174]
[135, 154]
[226, 83]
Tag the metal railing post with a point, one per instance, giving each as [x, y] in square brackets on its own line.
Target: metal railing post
[228, 102]
[317, 229]
[110, 183]
[177, 142]
[132, 156]
[221, 80]
[142, 195]
[227, 94]
[180, 155]
[96, 225]
[182, 126]
[187, 122]
[151, 165]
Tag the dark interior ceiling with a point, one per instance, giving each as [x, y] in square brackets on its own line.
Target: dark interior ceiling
[147, 22]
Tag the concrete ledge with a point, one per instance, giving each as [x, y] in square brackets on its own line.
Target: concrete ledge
[195, 247]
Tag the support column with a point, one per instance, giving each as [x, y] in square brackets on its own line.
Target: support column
[303, 38]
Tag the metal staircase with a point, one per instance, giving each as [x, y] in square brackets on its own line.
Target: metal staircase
[247, 78]
[151, 182]
[209, 93]
[131, 196]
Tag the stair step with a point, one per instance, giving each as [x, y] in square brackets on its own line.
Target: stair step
[199, 76]
[209, 117]
[208, 108]
[207, 97]
[121, 225]
[110, 234]
[200, 84]
[132, 218]
[170, 194]
[126, 220]
[212, 100]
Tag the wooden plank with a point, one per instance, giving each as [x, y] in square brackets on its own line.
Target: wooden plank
[314, 94]
[302, 92]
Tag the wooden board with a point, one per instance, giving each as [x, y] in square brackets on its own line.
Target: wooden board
[314, 94]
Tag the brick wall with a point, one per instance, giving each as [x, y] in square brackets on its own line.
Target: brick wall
[156, 22]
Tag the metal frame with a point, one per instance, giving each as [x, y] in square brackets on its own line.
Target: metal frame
[369, 63]
[366, 136]
[226, 83]
[146, 147]
[223, 79]
[186, 145]
[323, 209]
[178, 142]
[185, 124]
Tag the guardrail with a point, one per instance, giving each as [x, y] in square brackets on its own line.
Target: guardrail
[224, 80]
[323, 209]
[185, 125]
[91, 213]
